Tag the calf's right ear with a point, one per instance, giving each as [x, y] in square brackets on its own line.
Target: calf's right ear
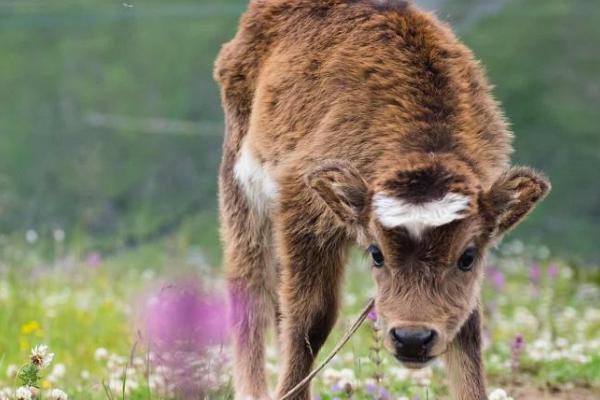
[342, 188]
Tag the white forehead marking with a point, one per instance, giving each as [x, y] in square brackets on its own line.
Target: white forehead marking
[393, 212]
[259, 186]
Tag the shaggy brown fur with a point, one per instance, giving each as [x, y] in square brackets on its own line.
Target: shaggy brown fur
[328, 104]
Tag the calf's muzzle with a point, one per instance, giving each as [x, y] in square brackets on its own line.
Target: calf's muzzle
[413, 344]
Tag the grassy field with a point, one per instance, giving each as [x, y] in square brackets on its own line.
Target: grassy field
[542, 327]
[112, 130]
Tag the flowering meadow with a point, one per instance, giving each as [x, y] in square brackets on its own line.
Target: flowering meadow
[149, 323]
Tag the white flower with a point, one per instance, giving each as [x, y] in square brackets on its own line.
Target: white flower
[59, 370]
[561, 343]
[101, 354]
[31, 236]
[4, 291]
[499, 394]
[398, 373]
[23, 393]
[6, 394]
[11, 371]
[40, 357]
[148, 275]
[57, 394]
[85, 375]
[58, 235]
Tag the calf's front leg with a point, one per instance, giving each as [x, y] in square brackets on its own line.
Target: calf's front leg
[312, 270]
[464, 363]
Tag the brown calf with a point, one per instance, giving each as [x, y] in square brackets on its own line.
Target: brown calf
[367, 122]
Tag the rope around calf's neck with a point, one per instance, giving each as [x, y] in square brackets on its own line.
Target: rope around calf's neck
[361, 318]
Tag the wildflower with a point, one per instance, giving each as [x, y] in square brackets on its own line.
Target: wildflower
[40, 357]
[553, 271]
[57, 394]
[23, 393]
[57, 372]
[6, 394]
[499, 394]
[148, 275]
[516, 348]
[11, 371]
[93, 260]
[58, 235]
[85, 375]
[101, 354]
[372, 315]
[31, 236]
[30, 327]
[4, 291]
[377, 391]
[497, 278]
[534, 277]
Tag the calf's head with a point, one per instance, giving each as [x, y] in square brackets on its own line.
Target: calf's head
[427, 225]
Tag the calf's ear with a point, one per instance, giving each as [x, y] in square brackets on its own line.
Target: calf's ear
[342, 188]
[513, 196]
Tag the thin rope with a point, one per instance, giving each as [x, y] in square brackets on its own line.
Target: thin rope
[361, 318]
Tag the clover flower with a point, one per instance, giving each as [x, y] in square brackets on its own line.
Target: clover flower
[40, 357]
[6, 394]
[100, 354]
[11, 371]
[23, 393]
[499, 394]
[57, 394]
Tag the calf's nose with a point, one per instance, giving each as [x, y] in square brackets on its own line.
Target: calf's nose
[413, 342]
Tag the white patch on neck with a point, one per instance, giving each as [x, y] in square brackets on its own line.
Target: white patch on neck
[416, 218]
[258, 185]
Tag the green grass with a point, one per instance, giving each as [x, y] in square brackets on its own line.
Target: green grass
[76, 309]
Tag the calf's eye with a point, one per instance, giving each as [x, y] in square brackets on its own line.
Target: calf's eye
[467, 259]
[377, 255]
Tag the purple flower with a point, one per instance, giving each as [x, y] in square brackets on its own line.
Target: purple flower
[516, 348]
[379, 392]
[93, 260]
[535, 274]
[181, 323]
[184, 314]
[372, 315]
[553, 271]
[384, 394]
[497, 278]
[371, 388]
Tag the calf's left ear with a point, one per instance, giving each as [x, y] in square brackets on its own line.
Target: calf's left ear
[342, 188]
[513, 196]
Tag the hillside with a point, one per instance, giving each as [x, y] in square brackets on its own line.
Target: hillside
[111, 124]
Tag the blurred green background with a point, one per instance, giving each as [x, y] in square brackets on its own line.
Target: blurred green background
[111, 126]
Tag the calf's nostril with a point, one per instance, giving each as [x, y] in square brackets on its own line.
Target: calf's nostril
[429, 337]
[413, 342]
